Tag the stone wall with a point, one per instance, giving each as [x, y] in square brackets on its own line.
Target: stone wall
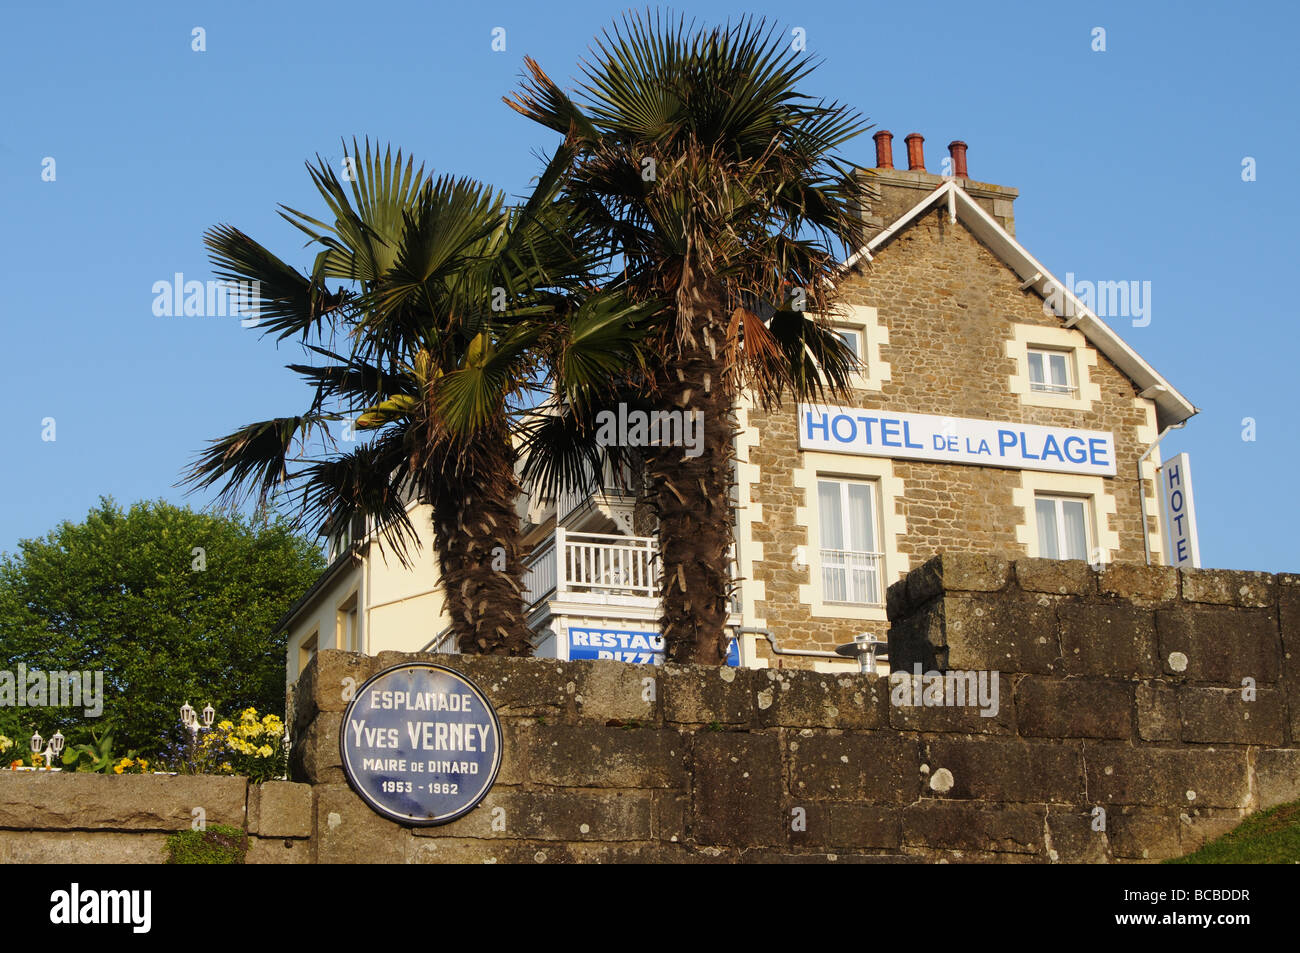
[1120, 697]
[606, 762]
[84, 818]
[1170, 699]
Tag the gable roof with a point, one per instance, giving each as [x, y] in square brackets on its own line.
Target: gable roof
[1172, 408]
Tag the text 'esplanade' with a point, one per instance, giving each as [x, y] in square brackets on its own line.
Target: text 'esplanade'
[419, 701]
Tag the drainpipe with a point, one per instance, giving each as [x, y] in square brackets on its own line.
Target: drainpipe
[363, 617]
[767, 634]
[1142, 497]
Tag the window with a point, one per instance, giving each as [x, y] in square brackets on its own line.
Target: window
[850, 551]
[855, 340]
[1054, 367]
[348, 636]
[354, 531]
[1063, 531]
[307, 651]
[1050, 372]
[852, 338]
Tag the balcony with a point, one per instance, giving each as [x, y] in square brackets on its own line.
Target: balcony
[592, 567]
[597, 568]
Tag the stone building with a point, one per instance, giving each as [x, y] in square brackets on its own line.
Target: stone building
[993, 412]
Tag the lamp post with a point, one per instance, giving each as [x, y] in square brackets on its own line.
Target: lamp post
[190, 719]
[52, 750]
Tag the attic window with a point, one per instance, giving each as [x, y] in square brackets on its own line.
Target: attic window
[1050, 372]
[852, 338]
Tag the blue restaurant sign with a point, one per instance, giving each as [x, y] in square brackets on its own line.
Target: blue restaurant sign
[421, 744]
[625, 645]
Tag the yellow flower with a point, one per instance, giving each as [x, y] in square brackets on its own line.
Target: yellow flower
[226, 725]
[265, 751]
[118, 769]
[226, 766]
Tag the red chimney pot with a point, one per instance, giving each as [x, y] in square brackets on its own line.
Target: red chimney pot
[915, 155]
[957, 149]
[884, 149]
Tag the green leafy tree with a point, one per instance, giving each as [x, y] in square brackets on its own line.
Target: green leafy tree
[716, 185]
[169, 604]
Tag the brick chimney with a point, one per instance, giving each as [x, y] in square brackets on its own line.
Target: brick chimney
[884, 149]
[889, 191]
[957, 150]
[915, 154]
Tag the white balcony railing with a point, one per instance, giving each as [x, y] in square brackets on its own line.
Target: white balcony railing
[596, 567]
[1041, 387]
[851, 577]
[570, 564]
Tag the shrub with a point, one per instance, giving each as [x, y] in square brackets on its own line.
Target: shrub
[170, 605]
[215, 844]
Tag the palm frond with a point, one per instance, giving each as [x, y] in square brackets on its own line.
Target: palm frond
[287, 301]
[370, 481]
[253, 459]
[561, 456]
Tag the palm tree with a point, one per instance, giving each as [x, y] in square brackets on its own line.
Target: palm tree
[716, 185]
[448, 300]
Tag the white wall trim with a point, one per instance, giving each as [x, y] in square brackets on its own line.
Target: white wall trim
[1033, 482]
[866, 320]
[1146, 435]
[748, 512]
[1029, 336]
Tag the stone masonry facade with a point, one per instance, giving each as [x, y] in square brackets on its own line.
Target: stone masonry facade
[1123, 733]
[949, 307]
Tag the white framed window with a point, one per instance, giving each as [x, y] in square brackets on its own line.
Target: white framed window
[854, 339]
[1064, 526]
[1052, 372]
[863, 332]
[1054, 367]
[848, 524]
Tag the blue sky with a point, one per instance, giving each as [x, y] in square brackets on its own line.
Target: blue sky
[1128, 161]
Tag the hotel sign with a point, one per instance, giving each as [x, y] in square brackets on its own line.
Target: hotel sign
[1180, 513]
[989, 443]
[421, 744]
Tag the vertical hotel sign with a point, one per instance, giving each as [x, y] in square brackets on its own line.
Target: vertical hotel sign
[421, 744]
[1180, 513]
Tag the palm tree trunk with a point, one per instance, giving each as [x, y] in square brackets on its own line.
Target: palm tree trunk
[478, 544]
[691, 496]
